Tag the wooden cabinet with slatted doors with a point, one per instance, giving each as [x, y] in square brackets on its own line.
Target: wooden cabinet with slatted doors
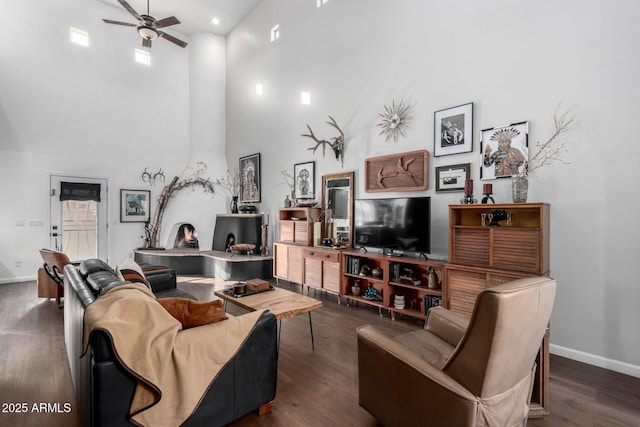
[295, 225]
[519, 243]
[288, 263]
[484, 253]
[322, 269]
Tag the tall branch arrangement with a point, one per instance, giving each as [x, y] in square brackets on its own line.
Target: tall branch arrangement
[194, 179]
[231, 183]
[290, 181]
[555, 147]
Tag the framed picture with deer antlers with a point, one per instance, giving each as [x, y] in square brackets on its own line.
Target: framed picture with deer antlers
[305, 178]
[250, 178]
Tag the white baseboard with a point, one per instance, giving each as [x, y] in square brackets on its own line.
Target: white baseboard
[18, 279]
[592, 359]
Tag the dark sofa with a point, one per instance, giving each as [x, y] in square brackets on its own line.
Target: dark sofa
[104, 387]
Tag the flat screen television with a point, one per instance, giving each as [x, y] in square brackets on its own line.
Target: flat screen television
[398, 224]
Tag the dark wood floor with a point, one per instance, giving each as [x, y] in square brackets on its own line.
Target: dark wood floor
[315, 388]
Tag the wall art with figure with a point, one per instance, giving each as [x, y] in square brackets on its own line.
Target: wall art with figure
[453, 129]
[304, 175]
[250, 177]
[504, 150]
[134, 205]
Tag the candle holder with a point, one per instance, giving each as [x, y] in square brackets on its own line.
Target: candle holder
[468, 193]
[468, 200]
[487, 191]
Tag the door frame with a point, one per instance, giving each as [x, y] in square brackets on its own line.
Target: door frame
[55, 211]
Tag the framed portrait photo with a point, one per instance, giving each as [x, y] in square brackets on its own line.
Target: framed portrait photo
[504, 150]
[250, 178]
[134, 205]
[451, 178]
[453, 130]
[305, 176]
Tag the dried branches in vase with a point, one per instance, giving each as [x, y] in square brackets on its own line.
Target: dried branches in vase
[290, 181]
[555, 147]
[194, 179]
[231, 183]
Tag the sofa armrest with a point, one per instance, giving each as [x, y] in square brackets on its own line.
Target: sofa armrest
[161, 280]
[244, 384]
[446, 324]
[399, 388]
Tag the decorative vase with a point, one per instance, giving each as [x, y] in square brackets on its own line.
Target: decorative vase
[432, 279]
[399, 302]
[234, 205]
[520, 188]
[355, 288]
[287, 202]
[377, 272]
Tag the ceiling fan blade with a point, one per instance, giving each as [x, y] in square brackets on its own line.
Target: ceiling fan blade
[172, 39]
[126, 24]
[130, 9]
[172, 20]
[146, 43]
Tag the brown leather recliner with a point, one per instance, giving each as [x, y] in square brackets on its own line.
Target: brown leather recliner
[54, 263]
[458, 371]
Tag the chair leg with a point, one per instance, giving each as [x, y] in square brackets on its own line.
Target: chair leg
[266, 408]
[59, 294]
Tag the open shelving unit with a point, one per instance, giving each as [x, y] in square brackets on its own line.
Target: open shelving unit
[404, 276]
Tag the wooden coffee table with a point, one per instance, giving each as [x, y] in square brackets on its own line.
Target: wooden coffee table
[282, 303]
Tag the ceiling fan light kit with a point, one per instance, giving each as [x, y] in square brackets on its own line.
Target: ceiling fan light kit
[147, 33]
[148, 26]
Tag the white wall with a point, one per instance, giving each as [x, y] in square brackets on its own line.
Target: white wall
[69, 110]
[515, 61]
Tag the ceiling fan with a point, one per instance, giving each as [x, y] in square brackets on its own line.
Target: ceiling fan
[148, 27]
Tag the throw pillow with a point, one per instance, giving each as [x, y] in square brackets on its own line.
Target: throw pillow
[130, 271]
[193, 313]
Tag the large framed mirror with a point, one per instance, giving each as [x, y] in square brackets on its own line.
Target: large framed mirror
[337, 208]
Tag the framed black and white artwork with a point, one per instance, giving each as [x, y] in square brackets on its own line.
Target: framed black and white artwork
[451, 178]
[453, 130]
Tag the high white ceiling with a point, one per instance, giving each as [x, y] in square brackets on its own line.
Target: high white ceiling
[194, 15]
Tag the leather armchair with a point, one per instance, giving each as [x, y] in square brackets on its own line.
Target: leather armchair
[458, 371]
[54, 263]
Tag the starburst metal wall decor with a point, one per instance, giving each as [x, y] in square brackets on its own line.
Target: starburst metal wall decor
[395, 120]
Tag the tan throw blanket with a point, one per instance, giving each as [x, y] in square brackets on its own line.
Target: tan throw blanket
[174, 367]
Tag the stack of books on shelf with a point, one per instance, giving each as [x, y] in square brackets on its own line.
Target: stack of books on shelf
[431, 301]
[394, 271]
[353, 264]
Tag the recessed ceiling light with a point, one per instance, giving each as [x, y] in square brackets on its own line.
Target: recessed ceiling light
[305, 98]
[259, 89]
[275, 33]
[215, 21]
[78, 36]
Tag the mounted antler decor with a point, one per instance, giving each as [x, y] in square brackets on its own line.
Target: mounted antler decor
[336, 143]
[152, 230]
[152, 178]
